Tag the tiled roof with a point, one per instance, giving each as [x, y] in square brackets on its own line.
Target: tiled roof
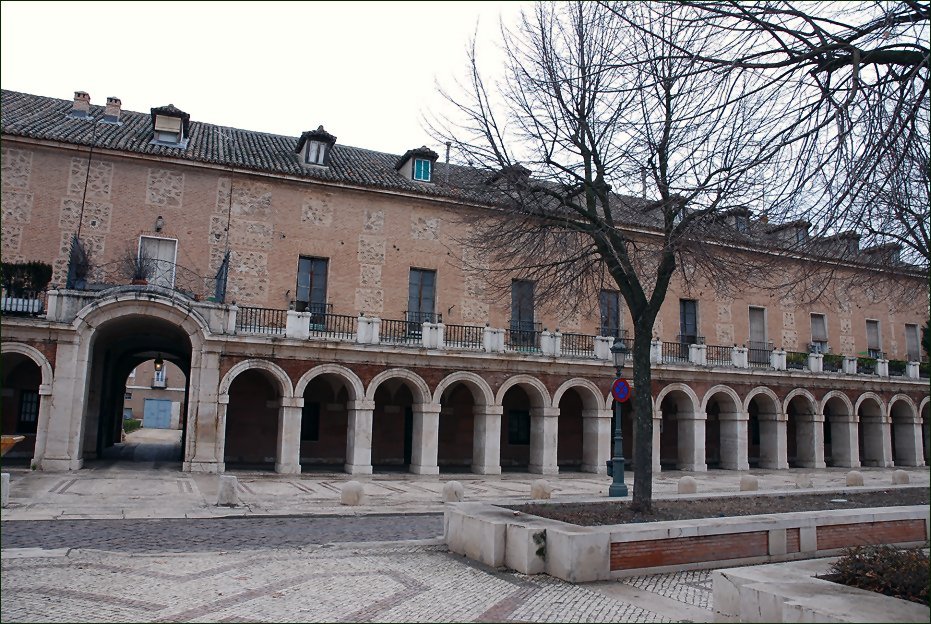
[46, 118]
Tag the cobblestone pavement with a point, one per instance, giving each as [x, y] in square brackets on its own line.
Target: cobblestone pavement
[422, 583]
[235, 533]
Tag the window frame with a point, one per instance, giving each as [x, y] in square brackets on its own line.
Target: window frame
[609, 305]
[28, 423]
[912, 329]
[420, 315]
[684, 335]
[311, 304]
[320, 149]
[417, 172]
[871, 350]
[818, 345]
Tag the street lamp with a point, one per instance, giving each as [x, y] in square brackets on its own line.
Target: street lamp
[618, 488]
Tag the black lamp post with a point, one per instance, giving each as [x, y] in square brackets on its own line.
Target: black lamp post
[618, 488]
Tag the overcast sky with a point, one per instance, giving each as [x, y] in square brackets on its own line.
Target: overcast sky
[366, 71]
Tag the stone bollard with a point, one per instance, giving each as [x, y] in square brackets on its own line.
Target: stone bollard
[803, 482]
[352, 493]
[688, 485]
[749, 483]
[228, 496]
[4, 489]
[854, 478]
[452, 492]
[899, 477]
[540, 489]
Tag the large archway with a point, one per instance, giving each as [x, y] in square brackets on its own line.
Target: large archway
[804, 430]
[873, 437]
[906, 432]
[725, 430]
[767, 436]
[528, 426]
[330, 393]
[22, 400]
[117, 347]
[470, 424]
[404, 423]
[682, 429]
[252, 421]
[840, 431]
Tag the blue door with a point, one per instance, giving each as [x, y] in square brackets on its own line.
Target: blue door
[157, 414]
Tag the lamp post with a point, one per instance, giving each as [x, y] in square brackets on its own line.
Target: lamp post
[618, 488]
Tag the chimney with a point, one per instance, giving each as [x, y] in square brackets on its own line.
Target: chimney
[82, 104]
[112, 113]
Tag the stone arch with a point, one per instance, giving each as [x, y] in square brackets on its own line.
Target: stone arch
[591, 395]
[539, 396]
[684, 388]
[840, 430]
[799, 392]
[868, 396]
[421, 393]
[764, 391]
[726, 429]
[480, 389]
[906, 442]
[276, 372]
[681, 432]
[37, 357]
[357, 390]
[874, 433]
[151, 303]
[767, 435]
[805, 430]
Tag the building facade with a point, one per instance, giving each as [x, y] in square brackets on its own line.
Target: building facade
[311, 298]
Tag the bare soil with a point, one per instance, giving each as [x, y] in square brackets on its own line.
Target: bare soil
[620, 512]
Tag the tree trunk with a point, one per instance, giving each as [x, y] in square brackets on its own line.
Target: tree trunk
[643, 424]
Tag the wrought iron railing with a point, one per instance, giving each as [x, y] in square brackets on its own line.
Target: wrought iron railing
[341, 326]
[251, 320]
[22, 302]
[523, 336]
[832, 363]
[578, 346]
[717, 355]
[796, 360]
[465, 337]
[422, 317]
[690, 339]
[759, 354]
[675, 352]
[897, 368]
[401, 332]
[161, 273]
[612, 332]
[866, 365]
[924, 370]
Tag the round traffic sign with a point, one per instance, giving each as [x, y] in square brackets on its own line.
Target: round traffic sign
[620, 390]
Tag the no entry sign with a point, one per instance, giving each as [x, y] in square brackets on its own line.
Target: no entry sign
[620, 390]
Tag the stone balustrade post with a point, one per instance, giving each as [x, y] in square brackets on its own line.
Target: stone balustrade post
[603, 346]
[850, 365]
[882, 368]
[739, 357]
[656, 351]
[777, 359]
[298, 325]
[359, 437]
[698, 354]
[816, 362]
[288, 460]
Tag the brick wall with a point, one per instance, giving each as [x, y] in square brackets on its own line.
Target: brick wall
[863, 533]
[655, 553]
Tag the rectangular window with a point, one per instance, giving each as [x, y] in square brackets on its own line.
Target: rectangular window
[522, 305]
[28, 411]
[311, 285]
[609, 302]
[310, 422]
[421, 296]
[518, 427]
[873, 339]
[758, 347]
[160, 254]
[422, 169]
[688, 321]
[158, 379]
[911, 343]
[128, 396]
[819, 334]
[315, 152]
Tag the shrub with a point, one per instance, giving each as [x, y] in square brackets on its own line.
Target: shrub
[131, 424]
[20, 277]
[901, 573]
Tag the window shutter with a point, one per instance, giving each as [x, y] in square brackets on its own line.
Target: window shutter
[819, 330]
[872, 335]
[167, 124]
[911, 342]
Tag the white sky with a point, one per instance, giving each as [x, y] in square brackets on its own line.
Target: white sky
[367, 71]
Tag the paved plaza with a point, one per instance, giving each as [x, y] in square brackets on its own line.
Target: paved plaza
[142, 541]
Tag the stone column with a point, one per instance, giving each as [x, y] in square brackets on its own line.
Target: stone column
[596, 440]
[845, 448]
[657, 433]
[288, 460]
[734, 432]
[908, 443]
[691, 452]
[809, 440]
[486, 439]
[206, 418]
[544, 435]
[64, 426]
[774, 447]
[877, 443]
[425, 439]
[359, 437]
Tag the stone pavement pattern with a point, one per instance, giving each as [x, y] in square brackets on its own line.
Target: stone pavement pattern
[422, 583]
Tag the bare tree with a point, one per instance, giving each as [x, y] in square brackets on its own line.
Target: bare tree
[590, 111]
[857, 73]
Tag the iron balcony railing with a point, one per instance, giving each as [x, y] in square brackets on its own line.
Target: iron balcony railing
[523, 336]
[690, 339]
[897, 368]
[465, 337]
[866, 365]
[832, 363]
[341, 326]
[159, 273]
[717, 355]
[22, 302]
[422, 317]
[796, 360]
[612, 332]
[401, 332]
[251, 320]
[759, 354]
[578, 346]
[675, 352]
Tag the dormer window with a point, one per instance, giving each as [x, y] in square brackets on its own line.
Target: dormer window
[314, 147]
[741, 223]
[170, 126]
[422, 168]
[417, 164]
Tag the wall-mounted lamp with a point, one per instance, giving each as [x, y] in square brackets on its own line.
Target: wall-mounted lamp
[159, 223]
[159, 363]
